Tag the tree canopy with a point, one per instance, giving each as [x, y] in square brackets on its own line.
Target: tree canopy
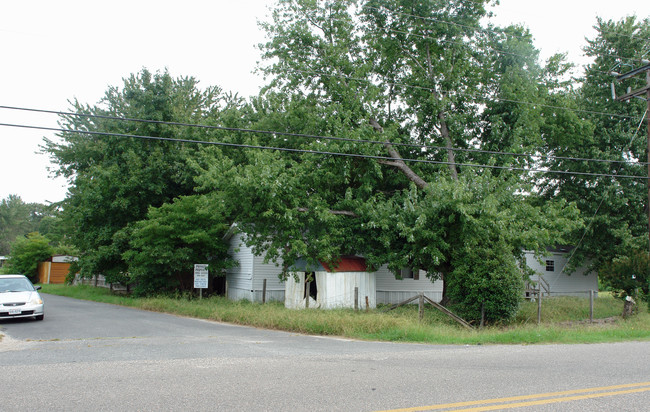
[18, 218]
[26, 253]
[412, 133]
[388, 83]
[116, 180]
[614, 209]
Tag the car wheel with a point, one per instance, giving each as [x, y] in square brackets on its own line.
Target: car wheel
[39, 317]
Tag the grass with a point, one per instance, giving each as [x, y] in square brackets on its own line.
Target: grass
[563, 319]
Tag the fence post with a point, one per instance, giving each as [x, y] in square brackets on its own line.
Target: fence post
[539, 305]
[356, 298]
[307, 288]
[421, 306]
[591, 306]
[367, 304]
[264, 292]
[482, 325]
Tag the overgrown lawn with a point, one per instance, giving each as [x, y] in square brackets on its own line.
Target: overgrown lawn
[564, 319]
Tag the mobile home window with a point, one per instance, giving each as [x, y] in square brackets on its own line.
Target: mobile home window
[550, 266]
[409, 273]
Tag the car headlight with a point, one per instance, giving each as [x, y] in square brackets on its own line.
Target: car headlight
[36, 300]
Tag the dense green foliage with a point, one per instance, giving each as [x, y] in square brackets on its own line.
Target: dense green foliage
[387, 77]
[615, 209]
[628, 276]
[453, 136]
[116, 180]
[18, 218]
[166, 245]
[26, 252]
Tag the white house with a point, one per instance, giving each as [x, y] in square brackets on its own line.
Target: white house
[332, 288]
[554, 280]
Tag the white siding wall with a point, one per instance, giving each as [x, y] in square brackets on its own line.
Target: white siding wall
[576, 284]
[391, 290]
[240, 277]
[270, 272]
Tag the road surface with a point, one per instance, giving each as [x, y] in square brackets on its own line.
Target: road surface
[93, 356]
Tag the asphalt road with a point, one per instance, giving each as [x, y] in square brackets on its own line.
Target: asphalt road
[92, 356]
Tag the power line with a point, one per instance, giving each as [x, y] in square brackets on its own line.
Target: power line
[591, 222]
[317, 152]
[318, 137]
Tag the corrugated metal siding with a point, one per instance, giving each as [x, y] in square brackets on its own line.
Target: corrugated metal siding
[268, 271]
[246, 281]
[392, 297]
[336, 290]
[295, 291]
[239, 294]
[240, 277]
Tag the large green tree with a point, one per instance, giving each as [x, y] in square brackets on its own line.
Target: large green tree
[116, 180]
[18, 218]
[614, 208]
[385, 78]
[165, 246]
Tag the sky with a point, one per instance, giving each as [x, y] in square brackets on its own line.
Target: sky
[55, 51]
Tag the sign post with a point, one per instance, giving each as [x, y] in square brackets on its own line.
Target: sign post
[200, 278]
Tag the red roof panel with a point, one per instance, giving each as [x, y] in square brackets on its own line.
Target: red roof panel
[347, 264]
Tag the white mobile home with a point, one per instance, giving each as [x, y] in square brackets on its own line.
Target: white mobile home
[382, 287]
[552, 277]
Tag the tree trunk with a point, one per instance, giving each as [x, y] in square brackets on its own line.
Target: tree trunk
[445, 299]
[628, 307]
[398, 162]
[451, 157]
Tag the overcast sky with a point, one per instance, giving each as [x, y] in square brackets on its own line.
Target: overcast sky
[53, 51]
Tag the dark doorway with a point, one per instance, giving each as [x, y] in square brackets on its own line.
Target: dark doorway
[310, 279]
[219, 285]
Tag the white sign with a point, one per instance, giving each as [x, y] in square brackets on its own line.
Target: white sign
[200, 276]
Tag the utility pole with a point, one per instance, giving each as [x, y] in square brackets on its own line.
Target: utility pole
[639, 94]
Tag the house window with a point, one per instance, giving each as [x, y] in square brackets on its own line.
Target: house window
[409, 273]
[550, 266]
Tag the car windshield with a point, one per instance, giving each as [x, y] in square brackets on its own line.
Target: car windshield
[15, 285]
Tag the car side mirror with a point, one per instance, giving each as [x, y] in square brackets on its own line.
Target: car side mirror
[37, 287]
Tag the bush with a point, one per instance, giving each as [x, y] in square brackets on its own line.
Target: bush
[486, 281]
[27, 252]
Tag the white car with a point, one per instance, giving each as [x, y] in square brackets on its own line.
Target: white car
[19, 298]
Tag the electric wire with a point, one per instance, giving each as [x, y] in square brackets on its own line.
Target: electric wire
[319, 137]
[591, 221]
[318, 152]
